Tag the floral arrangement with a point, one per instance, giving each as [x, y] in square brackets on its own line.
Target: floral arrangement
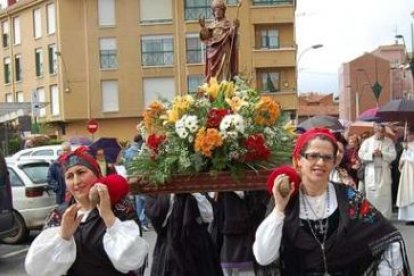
[226, 126]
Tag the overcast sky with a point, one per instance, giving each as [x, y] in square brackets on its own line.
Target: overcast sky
[347, 29]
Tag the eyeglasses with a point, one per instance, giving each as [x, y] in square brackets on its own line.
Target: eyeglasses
[315, 156]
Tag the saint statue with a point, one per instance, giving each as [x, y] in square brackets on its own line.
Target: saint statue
[220, 38]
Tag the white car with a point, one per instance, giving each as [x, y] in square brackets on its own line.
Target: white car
[32, 198]
[49, 153]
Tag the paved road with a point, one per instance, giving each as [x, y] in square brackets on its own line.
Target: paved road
[12, 257]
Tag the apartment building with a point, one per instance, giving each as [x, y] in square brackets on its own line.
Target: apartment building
[108, 59]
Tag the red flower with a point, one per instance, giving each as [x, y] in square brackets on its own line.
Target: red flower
[256, 148]
[154, 141]
[215, 115]
[365, 208]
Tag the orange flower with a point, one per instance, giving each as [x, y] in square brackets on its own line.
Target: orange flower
[267, 111]
[155, 110]
[207, 140]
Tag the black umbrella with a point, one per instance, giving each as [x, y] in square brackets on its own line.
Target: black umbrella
[398, 110]
[330, 122]
[110, 146]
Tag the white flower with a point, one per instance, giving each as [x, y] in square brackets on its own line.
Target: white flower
[238, 123]
[191, 122]
[226, 123]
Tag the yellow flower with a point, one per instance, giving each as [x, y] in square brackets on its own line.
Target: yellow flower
[227, 88]
[172, 116]
[267, 111]
[236, 103]
[207, 140]
[211, 88]
[183, 103]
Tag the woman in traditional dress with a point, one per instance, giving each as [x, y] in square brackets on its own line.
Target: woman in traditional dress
[339, 173]
[82, 239]
[405, 196]
[326, 228]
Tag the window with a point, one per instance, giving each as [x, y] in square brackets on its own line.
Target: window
[39, 62]
[106, 12]
[7, 70]
[107, 53]
[193, 82]
[52, 59]
[196, 8]
[109, 96]
[16, 28]
[271, 2]
[157, 50]
[232, 2]
[37, 24]
[18, 67]
[41, 94]
[152, 11]
[194, 49]
[5, 33]
[15, 180]
[9, 97]
[155, 88]
[54, 100]
[51, 19]
[37, 172]
[20, 97]
[269, 81]
[269, 38]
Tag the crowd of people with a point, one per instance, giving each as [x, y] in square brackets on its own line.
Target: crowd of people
[336, 222]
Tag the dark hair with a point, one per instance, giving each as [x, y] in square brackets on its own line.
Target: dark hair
[340, 138]
[320, 137]
[137, 138]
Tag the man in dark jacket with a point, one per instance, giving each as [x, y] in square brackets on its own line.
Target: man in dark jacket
[55, 177]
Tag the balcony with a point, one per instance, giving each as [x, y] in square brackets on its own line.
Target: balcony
[264, 14]
[281, 57]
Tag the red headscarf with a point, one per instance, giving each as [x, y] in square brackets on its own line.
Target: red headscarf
[80, 156]
[304, 138]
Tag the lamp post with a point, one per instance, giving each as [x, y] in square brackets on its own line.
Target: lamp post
[316, 46]
[409, 61]
[64, 76]
[312, 47]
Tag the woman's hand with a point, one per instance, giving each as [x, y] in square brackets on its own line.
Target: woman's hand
[70, 222]
[104, 205]
[280, 201]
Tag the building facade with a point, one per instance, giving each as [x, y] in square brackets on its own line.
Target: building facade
[108, 59]
[386, 66]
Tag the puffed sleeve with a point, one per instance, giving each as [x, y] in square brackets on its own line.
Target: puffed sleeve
[268, 237]
[392, 261]
[124, 246]
[49, 254]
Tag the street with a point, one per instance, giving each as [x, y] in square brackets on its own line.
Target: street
[12, 256]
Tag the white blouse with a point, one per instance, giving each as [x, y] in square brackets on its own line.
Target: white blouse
[49, 254]
[269, 235]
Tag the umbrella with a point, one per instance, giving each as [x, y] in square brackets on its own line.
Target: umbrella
[322, 121]
[361, 127]
[110, 146]
[369, 115]
[398, 110]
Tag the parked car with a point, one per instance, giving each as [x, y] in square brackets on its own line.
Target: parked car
[49, 153]
[7, 221]
[32, 198]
